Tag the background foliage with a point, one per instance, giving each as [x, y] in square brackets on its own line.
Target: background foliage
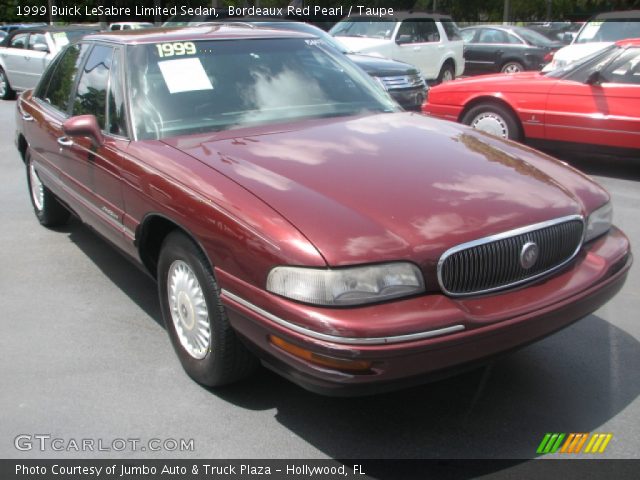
[461, 10]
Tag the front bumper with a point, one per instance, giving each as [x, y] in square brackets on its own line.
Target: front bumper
[445, 112]
[398, 337]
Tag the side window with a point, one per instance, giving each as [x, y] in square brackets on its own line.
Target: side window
[37, 38]
[116, 112]
[624, 69]
[513, 39]
[91, 96]
[429, 31]
[451, 29]
[58, 92]
[409, 30]
[19, 41]
[467, 35]
[419, 30]
[489, 35]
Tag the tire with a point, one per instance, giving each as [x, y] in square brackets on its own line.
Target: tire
[447, 73]
[191, 307]
[48, 209]
[6, 92]
[512, 67]
[494, 119]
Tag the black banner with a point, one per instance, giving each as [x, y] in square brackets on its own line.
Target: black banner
[320, 469]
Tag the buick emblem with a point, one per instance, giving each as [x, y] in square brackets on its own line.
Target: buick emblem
[528, 255]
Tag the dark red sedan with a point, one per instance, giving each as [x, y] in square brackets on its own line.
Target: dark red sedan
[292, 215]
[593, 104]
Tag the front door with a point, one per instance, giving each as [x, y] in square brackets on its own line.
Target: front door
[602, 109]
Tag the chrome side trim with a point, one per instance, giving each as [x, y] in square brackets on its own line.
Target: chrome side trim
[337, 339]
[507, 234]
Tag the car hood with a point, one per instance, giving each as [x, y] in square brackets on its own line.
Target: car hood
[362, 44]
[390, 186]
[381, 67]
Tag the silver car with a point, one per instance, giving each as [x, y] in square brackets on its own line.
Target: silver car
[25, 53]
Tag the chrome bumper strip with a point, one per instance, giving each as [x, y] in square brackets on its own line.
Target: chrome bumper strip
[337, 339]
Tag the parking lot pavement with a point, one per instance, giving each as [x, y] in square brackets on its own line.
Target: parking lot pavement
[84, 356]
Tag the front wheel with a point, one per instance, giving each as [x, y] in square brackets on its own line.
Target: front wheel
[46, 206]
[494, 119]
[208, 348]
[6, 92]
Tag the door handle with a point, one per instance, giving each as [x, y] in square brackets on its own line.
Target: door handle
[27, 118]
[65, 141]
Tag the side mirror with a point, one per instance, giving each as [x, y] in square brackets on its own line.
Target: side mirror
[402, 39]
[40, 47]
[595, 78]
[84, 126]
[567, 38]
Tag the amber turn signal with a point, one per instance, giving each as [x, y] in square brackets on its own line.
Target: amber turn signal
[343, 364]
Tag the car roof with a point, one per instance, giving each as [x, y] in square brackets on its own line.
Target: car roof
[203, 32]
[621, 15]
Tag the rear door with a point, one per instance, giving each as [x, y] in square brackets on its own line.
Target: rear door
[422, 48]
[43, 124]
[606, 112]
[15, 60]
[36, 59]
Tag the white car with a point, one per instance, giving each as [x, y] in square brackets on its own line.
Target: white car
[597, 34]
[129, 26]
[430, 42]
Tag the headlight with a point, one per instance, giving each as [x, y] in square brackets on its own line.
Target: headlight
[346, 286]
[599, 222]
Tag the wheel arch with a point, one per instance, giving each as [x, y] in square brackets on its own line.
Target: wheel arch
[451, 61]
[496, 101]
[22, 147]
[150, 235]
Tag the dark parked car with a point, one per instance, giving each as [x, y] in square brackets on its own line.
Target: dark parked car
[292, 213]
[403, 81]
[496, 48]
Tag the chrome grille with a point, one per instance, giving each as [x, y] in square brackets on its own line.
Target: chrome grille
[402, 81]
[493, 263]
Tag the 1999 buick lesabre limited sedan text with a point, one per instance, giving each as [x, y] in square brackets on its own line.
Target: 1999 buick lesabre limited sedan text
[294, 215]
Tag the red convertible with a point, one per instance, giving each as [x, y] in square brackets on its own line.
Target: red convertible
[594, 103]
[293, 214]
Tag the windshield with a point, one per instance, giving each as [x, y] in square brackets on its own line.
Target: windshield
[572, 67]
[608, 30]
[202, 86]
[534, 38]
[364, 27]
